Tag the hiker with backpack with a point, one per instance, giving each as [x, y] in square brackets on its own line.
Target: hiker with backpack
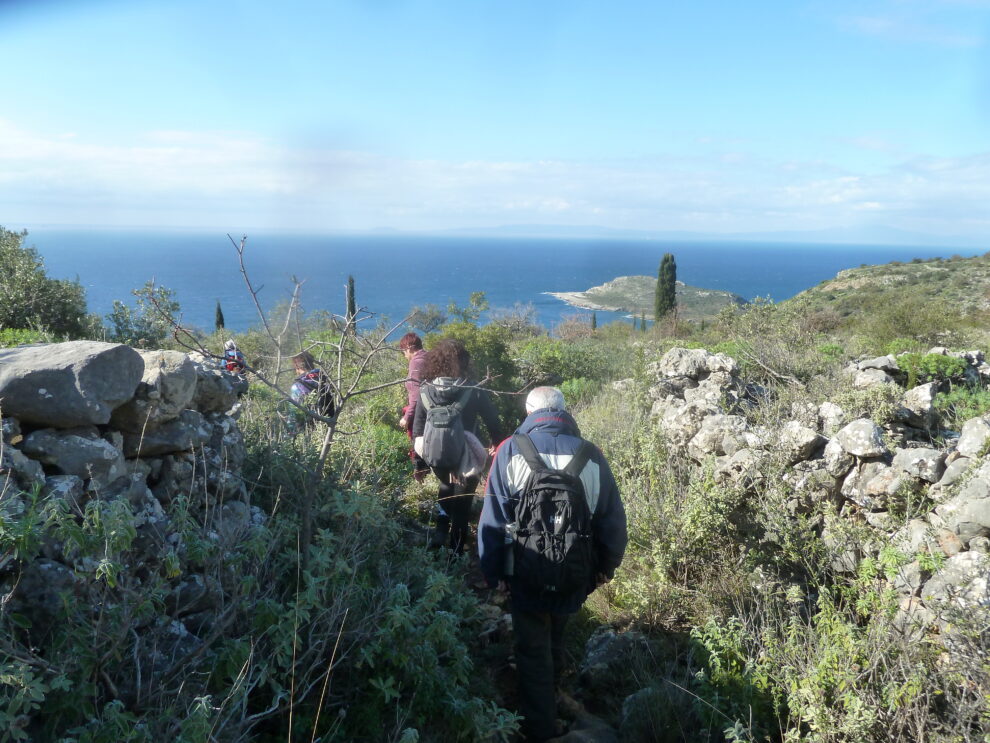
[411, 346]
[311, 380]
[552, 529]
[444, 421]
[233, 359]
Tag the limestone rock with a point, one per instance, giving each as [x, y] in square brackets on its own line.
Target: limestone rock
[77, 451]
[742, 468]
[883, 363]
[922, 463]
[64, 385]
[975, 435]
[862, 438]
[682, 362]
[18, 471]
[917, 406]
[915, 537]
[954, 471]
[165, 390]
[799, 442]
[682, 423]
[10, 430]
[607, 658]
[837, 461]
[831, 418]
[710, 437]
[217, 390]
[187, 432]
[909, 579]
[854, 486]
[962, 581]
[871, 378]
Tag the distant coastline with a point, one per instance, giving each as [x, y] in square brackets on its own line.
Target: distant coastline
[634, 295]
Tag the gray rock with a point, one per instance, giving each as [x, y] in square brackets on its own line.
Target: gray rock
[845, 552]
[608, 657]
[64, 487]
[67, 384]
[193, 594]
[862, 438]
[682, 423]
[962, 581]
[954, 471]
[915, 537]
[166, 389]
[187, 432]
[909, 579]
[710, 437]
[883, 363]
[980, 544]
[18, 471]
[854, 486]
[682, 362]
[975, 435]
[233, 522]
[871, 378]
[967, 517]
[10, 431]
[831, 418]
[912, 619]
[799, 442]
[217, 391]
[77, 451]
[924, 464]
[742, 468]
[837, 461]
[734, 442]
[887, 483]
[917, 406]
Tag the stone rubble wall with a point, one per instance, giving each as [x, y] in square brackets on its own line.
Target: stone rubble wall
[85, 421]
[857, 465]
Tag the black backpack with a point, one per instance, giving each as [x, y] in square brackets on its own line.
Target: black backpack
[552, 548]
[443, 433]
[315, 381]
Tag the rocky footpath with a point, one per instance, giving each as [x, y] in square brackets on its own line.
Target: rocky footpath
[94, 433]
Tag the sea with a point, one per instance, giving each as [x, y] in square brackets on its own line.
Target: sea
[393, 273]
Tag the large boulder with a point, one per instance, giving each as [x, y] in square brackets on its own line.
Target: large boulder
[682, 362]
[64, 385]
[837, 461]
[77, 451]
[968, 512]
[871, 378]
[862, 438]
[883, 363]
[166, 389]
[831, 417]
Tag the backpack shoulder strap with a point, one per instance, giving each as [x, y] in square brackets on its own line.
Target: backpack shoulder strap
[528, 449]
[580, 458]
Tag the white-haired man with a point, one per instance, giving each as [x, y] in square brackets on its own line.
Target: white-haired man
[553, 528]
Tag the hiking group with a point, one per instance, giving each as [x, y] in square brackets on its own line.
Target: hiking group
[552, 527]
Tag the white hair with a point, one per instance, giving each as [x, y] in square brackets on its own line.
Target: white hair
[545, 398]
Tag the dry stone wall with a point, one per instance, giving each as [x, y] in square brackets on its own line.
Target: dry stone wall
[135, 430]
[860, 468]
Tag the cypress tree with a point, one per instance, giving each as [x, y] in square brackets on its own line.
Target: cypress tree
[642, 321]
[219, 317]
[665, 299]
[351, 304]
[594, 321]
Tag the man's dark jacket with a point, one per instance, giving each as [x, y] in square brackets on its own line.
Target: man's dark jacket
[557, 438]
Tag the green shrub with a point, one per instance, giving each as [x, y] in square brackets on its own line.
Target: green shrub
[10, 337]
[962, 403]
[546, 360]
[580, 390]
[928, 367]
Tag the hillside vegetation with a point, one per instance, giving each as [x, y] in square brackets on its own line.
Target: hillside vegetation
[778, 584]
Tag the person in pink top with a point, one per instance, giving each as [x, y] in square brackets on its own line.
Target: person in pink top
[411, 346]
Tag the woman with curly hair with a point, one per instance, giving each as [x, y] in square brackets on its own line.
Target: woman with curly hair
[447, 382]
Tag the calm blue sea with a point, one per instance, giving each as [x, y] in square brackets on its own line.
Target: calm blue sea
[393, 273]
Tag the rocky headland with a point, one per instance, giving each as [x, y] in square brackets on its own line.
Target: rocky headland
[635, 294]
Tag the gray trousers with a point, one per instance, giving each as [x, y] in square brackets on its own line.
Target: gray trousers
[539, 663]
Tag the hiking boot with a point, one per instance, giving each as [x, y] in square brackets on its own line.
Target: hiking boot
[439, 535]
[420, 475]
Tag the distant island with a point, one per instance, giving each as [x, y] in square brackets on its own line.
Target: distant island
[634, 294]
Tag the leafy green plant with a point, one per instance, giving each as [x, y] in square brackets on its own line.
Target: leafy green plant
[927, 367]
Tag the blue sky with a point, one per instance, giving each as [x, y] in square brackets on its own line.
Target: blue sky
[715, 117]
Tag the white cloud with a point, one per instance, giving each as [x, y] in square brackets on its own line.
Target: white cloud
[242, 181]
